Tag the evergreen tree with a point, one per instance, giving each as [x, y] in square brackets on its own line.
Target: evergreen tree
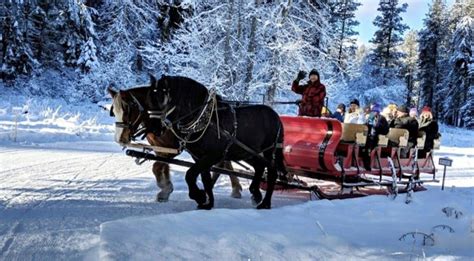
[343, 22]
[78, 35]
[432, 39]
[460, 77]
[88, 52]
[409, 67]
[38, 30]
[468, 108]
[386, 56]
[17, 57]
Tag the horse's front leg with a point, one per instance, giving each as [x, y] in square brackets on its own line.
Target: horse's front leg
[163, 181]
[208, 185]
[201, 166]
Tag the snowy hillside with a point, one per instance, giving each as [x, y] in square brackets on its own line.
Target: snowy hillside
[69, 192]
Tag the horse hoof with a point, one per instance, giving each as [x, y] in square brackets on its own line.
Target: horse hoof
[236, 193]
[161, 200]
[264, 205]
[164, 194]
[256, 197]
[199, 196]
[205, 206]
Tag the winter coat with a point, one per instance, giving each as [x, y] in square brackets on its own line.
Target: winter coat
[313, 98]
[430, 128]
[377, 125]
[338, 116]
[408, 123]
[357, 117]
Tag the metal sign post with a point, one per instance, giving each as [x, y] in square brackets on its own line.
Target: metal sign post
[446, 162]
[17, 111]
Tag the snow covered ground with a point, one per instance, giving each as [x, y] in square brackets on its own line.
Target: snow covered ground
[67, 191]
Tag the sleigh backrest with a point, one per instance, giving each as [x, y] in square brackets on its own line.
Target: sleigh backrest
[354, 133]
[398, 136]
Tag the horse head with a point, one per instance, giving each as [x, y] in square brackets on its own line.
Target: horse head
[159, 97]
[175, 98]
[129, 114]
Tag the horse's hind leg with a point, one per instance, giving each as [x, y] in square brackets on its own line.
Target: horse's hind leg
[271, 179]
[236, 188]
[255, 185]
[162, 175]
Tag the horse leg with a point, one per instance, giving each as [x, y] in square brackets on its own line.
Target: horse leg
[202, 165]
[162, 175]
[267, 200]
[255, 185]
[208, 185]
[271, 179]
[236, 188]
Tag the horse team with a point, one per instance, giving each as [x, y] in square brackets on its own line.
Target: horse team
[178, 112]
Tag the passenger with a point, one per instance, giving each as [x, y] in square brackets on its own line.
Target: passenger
[413, 113]
[377, 125]
[339, 113]
[430, 127]
[325, 112]
[404, 121]
[367, 110]
[355, 114]
[313, 93]
[389, 112]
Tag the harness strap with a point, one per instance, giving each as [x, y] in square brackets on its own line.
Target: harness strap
[159, 114]
[234, 133]
[242, 145]
[169, 125]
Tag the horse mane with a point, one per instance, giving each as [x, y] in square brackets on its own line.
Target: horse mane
[188, 83]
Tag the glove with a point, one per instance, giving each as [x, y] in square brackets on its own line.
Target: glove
[301, 75]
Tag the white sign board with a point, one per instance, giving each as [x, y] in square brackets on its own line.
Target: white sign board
[445, 162]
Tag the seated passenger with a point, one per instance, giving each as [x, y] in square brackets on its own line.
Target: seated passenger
[313, 93]
[325, 112]
[430, 127]
[377, 125]
[355, 114]
[339, 113]
[413, 113]
[404, 121]
[389, 112]
[367, 110]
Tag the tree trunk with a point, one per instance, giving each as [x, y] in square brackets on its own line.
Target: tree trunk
[251, 55]
[271, 91]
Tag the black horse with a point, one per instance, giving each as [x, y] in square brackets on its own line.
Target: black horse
[212, 130]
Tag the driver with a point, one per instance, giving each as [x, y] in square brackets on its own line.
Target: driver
[313, 93]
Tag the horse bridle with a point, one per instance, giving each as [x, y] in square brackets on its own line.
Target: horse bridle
[135, 131]
[162, 114]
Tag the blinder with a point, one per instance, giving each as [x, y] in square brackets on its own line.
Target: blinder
[112, 114]
[132, 126]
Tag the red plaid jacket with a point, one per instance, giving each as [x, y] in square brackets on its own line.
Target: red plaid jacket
[313, 98]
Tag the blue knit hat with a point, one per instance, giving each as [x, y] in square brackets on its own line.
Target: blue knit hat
[376, 107]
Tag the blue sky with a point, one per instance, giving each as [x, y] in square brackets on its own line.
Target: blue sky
[368, 11]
